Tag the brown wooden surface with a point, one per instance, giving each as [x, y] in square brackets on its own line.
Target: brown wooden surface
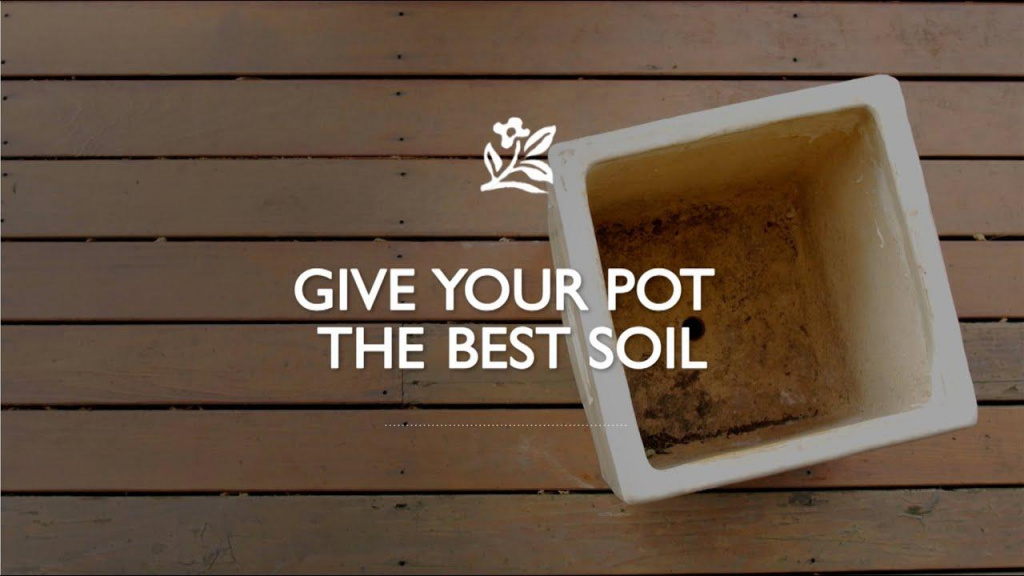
[301, 198]
[455, 450]
[578, 533]
[270, 364]
[204, 364]
[987, 279]
[198, 281]
[242, 281]
[427, 117]
[388, 38]
[996, 356]
[283, 198]
[969, 198]
[114, 116]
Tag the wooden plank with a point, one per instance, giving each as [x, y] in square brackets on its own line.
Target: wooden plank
[987, 278]
[314, 450]
[969, 447]
[426, 117]
[978, 197]
[444, 450]
[301, 198]
[648, 38]
[995, 352]
[578, 533]
[996, 356]
[201, 281]
[267, 198]
[199, 364]
[259, 364]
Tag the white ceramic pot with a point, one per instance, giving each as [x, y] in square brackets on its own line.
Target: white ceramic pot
[829, 325]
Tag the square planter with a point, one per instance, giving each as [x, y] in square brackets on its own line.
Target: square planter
[829, 326]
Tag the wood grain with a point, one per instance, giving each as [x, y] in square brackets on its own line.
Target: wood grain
[270, 364]
[980, 197]
[296, 198]
[977, 292]
[254, 281]
[454, 450]
[427, 117]
[162, 97]
[303, 198]
[201, 281]
[995, 353]
[580, 533]
[195, 364]
[393, 38]
[292, 451]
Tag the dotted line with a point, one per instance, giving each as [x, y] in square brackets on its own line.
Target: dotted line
[406, 425]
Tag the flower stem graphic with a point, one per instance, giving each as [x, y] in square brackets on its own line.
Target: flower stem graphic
[496, 181]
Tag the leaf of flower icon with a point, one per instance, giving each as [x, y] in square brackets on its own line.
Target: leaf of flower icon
[519, 186]
[510, 131]
[540, 142]
[492, 160]
[536, 170]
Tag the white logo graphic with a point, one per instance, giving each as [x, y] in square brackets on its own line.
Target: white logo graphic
[513, 134]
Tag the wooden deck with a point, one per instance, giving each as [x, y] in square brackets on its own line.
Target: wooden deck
[169, 168]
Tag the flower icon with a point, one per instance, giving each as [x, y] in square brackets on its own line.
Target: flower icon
[522, 143]
[510, 131]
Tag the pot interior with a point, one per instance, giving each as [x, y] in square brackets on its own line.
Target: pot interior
[815, 317]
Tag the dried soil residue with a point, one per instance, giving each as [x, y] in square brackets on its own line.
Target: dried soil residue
[773, 352]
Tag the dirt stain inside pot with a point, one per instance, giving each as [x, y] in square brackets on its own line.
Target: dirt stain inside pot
[775, 359]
